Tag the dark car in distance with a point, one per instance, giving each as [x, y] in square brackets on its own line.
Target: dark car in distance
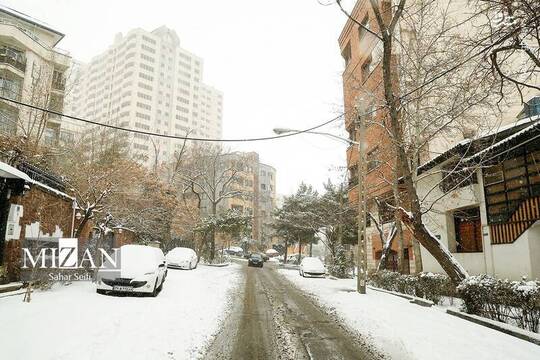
[255, 260]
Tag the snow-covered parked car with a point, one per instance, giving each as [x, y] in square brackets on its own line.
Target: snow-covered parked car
[311, 266]
[182, 258]
[142, 269]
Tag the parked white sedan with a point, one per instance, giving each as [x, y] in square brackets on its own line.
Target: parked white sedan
[182, 258]
[142, 269]
[311, 266]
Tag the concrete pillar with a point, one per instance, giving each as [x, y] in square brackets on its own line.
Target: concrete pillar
[486, 231]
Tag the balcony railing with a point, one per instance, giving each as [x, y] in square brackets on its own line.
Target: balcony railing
[59, 84]
[10, 57]
[9, 93]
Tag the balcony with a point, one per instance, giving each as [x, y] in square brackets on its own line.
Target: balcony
[59, 84]
[352, 155]
[14, 58]
[353, 195]
[9, 92]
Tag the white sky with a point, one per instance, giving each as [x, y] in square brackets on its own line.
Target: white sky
[277, 63]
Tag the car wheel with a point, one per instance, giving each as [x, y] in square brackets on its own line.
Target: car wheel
[101, 291]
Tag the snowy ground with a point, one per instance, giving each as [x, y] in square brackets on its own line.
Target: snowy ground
[73, 322]
[407, 331]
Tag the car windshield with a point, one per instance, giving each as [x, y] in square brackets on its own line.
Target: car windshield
[312, 261]
[256, 256]
[181, 252]
[137, 259]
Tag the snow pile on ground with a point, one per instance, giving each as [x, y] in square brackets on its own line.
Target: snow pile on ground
[407, 331]
[73, 322]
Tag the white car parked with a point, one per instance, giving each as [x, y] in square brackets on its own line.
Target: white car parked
[312, 266]
[182, 258]
[142, 269]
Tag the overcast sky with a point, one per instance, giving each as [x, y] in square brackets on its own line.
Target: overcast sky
[277, 63]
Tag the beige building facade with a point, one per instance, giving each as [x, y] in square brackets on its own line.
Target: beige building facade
[33, 70]
[146, 81]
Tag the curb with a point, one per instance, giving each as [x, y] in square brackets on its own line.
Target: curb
[216, 265]
[11, 287]
[495, 325]
[412, 299]
[289, 266]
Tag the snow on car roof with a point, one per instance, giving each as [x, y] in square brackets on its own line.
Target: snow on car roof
[181, 250]
[312, 260]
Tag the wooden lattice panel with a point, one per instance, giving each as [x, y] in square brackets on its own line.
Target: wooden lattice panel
[525, 215]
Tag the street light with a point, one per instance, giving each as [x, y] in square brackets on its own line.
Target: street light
[361, 256]
[280, 131]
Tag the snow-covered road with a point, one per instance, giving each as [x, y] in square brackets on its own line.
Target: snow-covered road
[407, 331]
[73, 322]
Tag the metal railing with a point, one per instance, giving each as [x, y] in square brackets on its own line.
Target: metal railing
[13, 61]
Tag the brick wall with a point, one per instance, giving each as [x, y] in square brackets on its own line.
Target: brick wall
[52, 211]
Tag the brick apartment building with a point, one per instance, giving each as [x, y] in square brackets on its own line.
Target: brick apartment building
[363, 94]
[473, 231]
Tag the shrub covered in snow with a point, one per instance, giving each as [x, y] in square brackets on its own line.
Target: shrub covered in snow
[516, 302]
[427, 285]
[341, 266]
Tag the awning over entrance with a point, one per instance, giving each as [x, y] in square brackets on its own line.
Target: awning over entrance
[9, 172]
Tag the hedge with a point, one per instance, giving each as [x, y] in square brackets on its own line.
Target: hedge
[426, 285]
[516, 302]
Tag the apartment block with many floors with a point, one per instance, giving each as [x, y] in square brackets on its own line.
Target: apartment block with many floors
[267, 202]
[32, 70]
[146, 81]
[255, 183]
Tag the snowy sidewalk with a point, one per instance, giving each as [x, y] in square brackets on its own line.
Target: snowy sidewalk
[73, 322]
[407, 331]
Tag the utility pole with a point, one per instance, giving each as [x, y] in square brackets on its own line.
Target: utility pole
[361, 253]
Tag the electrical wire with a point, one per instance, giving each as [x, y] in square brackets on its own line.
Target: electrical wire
[148, 133]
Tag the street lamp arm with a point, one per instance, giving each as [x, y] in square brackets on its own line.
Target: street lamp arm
[280, 131]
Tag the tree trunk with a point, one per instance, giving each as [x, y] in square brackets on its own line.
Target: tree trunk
[299, 252]
[82, 224]
[387, 246]
[413, 220]
[213, 234]
[449, 264]
[399, 227]
[310, 249]
[418, 267]
[286, 251]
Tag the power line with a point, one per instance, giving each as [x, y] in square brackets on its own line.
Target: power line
[174, 136]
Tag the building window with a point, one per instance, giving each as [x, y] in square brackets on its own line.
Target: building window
[361, 29]
[10, 87]
[468, 229]
[455, 178]
[509, 183]
[366, 69]
[346, 54]
[385, 207]
[373, 159]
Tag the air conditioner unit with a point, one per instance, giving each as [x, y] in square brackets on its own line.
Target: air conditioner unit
[13, 229]
[15, 213]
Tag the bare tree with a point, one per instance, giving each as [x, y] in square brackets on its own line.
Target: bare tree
[431, 91]
[509, 37]
[210, 176]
